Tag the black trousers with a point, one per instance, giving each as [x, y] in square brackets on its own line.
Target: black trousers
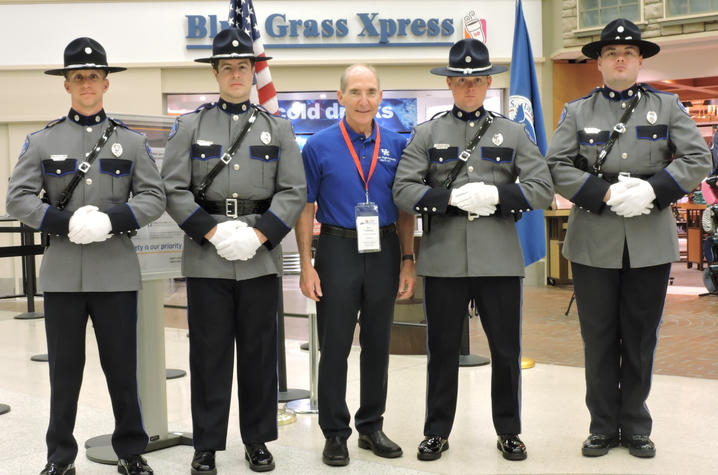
[498, 300]
[351, 283]
[620, 312]
[223, 313]
[114, 317]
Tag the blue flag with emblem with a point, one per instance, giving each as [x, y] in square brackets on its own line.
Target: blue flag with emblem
[525, 107]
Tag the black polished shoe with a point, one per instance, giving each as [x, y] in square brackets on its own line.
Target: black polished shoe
[431, 448]
[335, 452]
[54, 468]
[511, 447]
[260, 459]
[380, 444]
[639, 446]
[203, 463]
[134, 465]
[598, 444]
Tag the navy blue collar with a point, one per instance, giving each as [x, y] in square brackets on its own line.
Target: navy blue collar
[231, 108]
[467, 116]
[355, 136]
[626, 95]
[86, 120]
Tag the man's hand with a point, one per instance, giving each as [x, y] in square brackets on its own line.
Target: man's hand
[241, 245]
[477, 198]
[633, 200]
[310, 284]
[407, 280]
[88, 225]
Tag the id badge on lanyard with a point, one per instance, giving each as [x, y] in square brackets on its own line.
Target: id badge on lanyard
[366, 213]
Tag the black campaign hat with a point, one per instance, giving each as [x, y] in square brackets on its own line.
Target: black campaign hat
[84, 53]
[621, 32]
[232, 43]
[468, 57]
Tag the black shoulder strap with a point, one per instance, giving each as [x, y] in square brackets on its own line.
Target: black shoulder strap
[224, 160]
[618, 129]
[464, 156]
[84, 167]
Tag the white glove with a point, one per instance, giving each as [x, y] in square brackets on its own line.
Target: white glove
[636, 199]
[87, 225]
[242, 245]
[225, 230]
[476, 197]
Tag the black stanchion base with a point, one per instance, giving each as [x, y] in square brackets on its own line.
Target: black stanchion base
[4, 408]
[304, 346]
[473, 360]
[41, 358]
[174, 373]
[29, 316]
[99, 449]
[293, 394]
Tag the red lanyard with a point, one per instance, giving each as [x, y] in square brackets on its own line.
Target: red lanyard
[356, 158]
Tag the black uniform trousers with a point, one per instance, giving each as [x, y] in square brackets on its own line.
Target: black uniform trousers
[351, 283]
[114, 317]
[223, 313]
[620, 312]
[498, 300]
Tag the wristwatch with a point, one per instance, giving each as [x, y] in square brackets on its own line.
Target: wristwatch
[408, 257]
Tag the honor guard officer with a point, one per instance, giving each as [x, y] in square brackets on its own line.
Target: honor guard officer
[235, 185]
[622, 155]
[88, 164]
[350, 169]
[460, 171]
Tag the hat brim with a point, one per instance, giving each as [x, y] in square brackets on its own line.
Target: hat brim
[213, 58]
[647, 48]
[63, 71]
[445, 71]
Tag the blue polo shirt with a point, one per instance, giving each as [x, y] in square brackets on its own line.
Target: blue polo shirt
[333, 180]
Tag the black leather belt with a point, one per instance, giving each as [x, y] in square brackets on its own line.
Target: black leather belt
[612, 178]
[338, 231]
[454, 211]
[233, 207]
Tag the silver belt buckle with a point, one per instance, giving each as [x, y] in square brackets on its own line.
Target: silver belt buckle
[472, 216]
[464, 156]
[84, 167]
[230, 207]
[226, 158]
[625, 174]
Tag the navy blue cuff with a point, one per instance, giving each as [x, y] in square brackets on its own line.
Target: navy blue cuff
[198, 224]
[122, 219]
[434, 201]
[591, 194]
[666, 189]
[56, 221]
[511, 200]
[273, 228]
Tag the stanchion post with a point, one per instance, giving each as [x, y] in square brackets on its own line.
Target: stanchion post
[310, 406]
[28, 274]
[285, 394]
[465, 357]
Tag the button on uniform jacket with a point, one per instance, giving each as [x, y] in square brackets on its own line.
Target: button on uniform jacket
[661, 143]
[485, 246]
[267, 165]
[122, 182]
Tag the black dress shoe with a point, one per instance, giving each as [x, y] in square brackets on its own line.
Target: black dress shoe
[54, 468]
[380, 444]
[203, 463]
[431, 448]
[260, 459]
[511, 447]
[335, 452]
[598, 444]
[639, 446]
[134, 465]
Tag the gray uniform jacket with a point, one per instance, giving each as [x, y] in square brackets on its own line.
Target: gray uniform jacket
[123, 167]
[267, 165]
[661, 144]
[485, 246]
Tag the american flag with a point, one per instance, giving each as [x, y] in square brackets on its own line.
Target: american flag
[241, 15]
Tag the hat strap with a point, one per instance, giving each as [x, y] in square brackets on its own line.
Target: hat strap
[86, 65]
[469, 70]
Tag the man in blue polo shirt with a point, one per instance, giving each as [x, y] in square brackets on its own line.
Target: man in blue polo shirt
[350, 170]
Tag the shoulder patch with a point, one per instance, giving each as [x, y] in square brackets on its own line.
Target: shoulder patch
[53, 123]
[174, 129]
[24, 147]
[563, 116]
[681, 106]
[149, 150]
[411, 137]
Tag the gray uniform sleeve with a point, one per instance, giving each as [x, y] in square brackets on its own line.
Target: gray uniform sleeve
[290, 189]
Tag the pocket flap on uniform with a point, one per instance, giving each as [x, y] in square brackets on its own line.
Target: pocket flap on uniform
[442, 155]
[593, 138]
[59, 167]
[115, 166]
[265, 153]
[497, 154]
[205, 152]
[652, 132]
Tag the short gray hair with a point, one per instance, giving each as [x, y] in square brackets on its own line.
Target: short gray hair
[350, 69]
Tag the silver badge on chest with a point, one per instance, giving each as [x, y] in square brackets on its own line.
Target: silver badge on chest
[265, 137]
[497, 139]
[651, 117]
[116, 149]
